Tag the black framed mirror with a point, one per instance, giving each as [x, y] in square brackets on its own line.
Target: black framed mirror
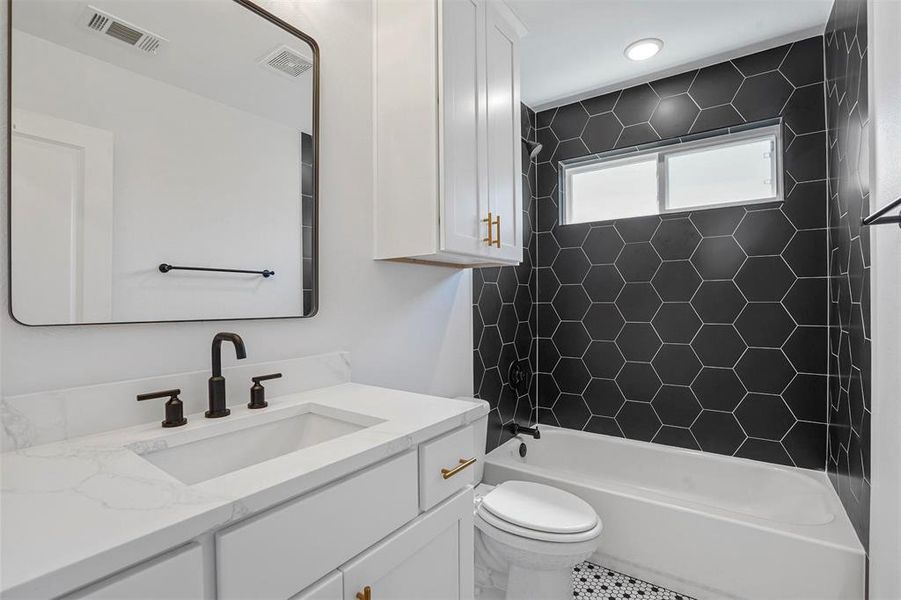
[162, 162]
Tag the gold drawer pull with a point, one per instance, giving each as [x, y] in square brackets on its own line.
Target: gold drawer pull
[366, 594]
[448, 473]
[497, 222]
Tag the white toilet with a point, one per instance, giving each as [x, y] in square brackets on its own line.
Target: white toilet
[528, 537]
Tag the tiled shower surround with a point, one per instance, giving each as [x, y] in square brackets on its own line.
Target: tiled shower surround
[708, 329]
[849, 260]
[704, 329]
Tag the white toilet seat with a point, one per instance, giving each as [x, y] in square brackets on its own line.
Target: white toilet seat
[550, 551]
[539, 507]
[532, 534]
[537, 512]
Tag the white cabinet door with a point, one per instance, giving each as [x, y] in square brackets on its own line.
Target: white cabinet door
[464, 181]
[504, 133]
[177, 575]
[429, 559]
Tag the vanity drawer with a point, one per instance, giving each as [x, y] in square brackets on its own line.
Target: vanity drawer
[282, 551]
[449, 453]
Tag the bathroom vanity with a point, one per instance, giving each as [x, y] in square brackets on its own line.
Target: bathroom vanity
[349, 491]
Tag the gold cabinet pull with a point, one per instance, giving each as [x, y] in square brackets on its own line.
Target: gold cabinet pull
[492, 223]
[448, 473]
[490, 238]
[366, 594]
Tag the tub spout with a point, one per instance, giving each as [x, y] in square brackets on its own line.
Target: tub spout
[518, 429]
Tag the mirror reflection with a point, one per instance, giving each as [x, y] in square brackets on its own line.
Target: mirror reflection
[162, 163]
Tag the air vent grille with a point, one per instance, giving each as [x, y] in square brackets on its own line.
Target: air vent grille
[99, 21]
[287, 61]
[124, 33]
[150, 44]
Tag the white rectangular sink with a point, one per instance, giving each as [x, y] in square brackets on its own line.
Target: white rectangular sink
[241, 445]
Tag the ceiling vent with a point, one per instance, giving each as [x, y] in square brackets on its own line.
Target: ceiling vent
[104, 23]
[287, 61]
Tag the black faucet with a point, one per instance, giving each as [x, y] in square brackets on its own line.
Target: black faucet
[217, 381]
[517, 429]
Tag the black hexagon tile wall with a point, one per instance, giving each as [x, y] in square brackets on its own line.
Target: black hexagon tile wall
[849, 260]
[706, 329]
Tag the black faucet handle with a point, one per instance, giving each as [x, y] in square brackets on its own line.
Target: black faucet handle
[162, 394]
[260, 378]
[175, 416]
[258, 392]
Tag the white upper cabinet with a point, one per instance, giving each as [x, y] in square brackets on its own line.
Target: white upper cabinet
[465, 191]
[503, 132]
[447, 137]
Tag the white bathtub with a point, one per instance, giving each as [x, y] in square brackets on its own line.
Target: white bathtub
[706, 525]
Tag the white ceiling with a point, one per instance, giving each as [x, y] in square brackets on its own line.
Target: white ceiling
[574, 48]
[213, 50]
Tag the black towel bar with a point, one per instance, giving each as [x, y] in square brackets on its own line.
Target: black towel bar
[164, 268]
[879, 218]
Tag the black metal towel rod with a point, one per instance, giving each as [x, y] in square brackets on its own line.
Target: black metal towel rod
[164, 268]
[878, 218]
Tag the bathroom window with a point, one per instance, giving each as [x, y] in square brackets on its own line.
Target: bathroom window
[723, 169]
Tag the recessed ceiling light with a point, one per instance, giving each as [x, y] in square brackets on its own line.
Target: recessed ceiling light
[643, 49]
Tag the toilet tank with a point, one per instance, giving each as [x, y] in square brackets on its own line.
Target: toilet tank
[480, 439]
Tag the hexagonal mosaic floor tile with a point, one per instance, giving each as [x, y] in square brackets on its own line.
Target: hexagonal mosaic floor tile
[593, 582]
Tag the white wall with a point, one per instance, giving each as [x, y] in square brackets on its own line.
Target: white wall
[193, 177]
[885, 449]
[406, 326]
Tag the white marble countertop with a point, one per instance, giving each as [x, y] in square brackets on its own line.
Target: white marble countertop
[75, 511]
